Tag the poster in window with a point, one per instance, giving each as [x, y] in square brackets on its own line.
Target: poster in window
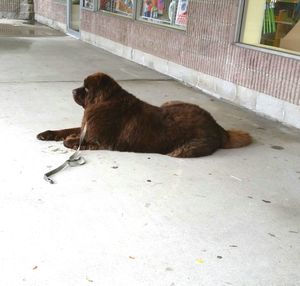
[161, 7]
[124, 6]
[181, 15]
[153, 8]
[87, 4]
[106, 5]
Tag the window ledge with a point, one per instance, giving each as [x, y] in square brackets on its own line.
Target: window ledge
[271, 50]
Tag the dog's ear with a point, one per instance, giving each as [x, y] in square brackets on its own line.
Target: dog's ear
[101, 87]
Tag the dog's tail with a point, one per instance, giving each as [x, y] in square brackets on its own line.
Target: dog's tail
[236, 139]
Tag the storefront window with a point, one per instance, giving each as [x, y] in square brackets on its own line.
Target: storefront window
[123, 7]
[165, 12]
[272, 23]
[89, 4]
[172, 13]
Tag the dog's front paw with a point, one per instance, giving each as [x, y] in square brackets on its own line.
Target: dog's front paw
[71, 142]
[48, 136]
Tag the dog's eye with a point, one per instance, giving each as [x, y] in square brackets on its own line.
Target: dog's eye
[86, 89]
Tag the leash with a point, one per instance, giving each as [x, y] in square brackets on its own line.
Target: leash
[73, 161]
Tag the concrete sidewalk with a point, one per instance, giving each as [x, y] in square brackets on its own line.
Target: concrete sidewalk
[232, 218]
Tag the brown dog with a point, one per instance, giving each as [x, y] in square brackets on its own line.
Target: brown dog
[117, 120]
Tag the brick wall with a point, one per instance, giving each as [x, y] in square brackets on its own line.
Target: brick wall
[17, 9]
[207, 46]
[9, 8]
[53, 9]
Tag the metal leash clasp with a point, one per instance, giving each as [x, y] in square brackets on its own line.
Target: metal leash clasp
[76, 162]
[73, 161]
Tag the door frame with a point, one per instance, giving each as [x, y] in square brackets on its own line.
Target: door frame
[70, 31]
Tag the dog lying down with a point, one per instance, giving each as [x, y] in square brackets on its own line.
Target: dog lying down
[117, 120]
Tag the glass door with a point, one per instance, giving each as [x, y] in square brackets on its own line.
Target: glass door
[73, 17]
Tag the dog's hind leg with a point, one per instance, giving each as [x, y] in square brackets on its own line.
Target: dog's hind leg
[194, 148]
[174, 102]
[58, 135]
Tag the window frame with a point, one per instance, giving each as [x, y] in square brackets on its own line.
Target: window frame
[159, 23]
[137, 17]
[95, 8]
[271, 50]
[117, 14]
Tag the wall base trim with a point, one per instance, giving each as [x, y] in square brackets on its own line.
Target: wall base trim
[51, 23]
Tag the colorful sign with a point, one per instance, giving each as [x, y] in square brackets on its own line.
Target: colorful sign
[181, 15]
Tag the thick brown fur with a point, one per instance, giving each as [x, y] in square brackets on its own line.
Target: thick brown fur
[117, 120]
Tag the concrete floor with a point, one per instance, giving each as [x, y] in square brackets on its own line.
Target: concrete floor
[232, 218]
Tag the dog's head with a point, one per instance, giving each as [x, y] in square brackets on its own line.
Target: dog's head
[96, 87]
